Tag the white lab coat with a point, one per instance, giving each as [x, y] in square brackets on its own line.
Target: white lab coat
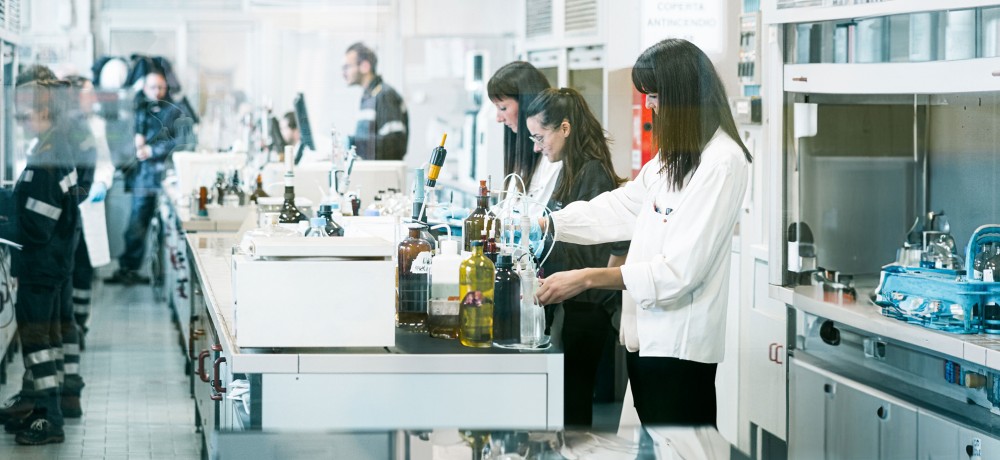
[677, 269]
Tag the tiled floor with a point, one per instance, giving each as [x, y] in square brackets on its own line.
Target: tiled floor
[136, 403]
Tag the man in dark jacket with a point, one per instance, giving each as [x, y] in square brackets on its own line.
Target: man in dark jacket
[157, 121]
[47, 197]
[383, 124]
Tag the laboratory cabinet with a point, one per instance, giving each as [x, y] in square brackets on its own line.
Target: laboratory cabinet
[420, 382]
[883, 121]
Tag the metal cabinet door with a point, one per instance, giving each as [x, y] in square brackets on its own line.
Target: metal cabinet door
[970, 441]
[852, 428]
[937, 438]
[806, 411]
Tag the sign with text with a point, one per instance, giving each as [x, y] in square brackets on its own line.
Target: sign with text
[698, 21]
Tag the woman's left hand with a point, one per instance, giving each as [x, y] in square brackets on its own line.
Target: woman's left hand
[561, 286]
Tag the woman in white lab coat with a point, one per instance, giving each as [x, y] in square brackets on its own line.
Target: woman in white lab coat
[680, 213]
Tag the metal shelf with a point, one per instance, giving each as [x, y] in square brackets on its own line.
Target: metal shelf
[772, 15]
[936, 77]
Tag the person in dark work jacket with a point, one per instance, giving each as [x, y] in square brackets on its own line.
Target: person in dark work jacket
[564, 129]
[157, 125]
[383, 123]
[47, 196]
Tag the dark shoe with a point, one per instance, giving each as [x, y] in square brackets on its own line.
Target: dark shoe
[17, 425]
[71, 406]
[17, 407]
[41, 431]
[127, 278]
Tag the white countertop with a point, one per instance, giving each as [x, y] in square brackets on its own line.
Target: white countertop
[982, 349]
[212, 256]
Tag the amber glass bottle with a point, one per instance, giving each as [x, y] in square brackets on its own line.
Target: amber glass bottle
[258, 191]
[414, 259]
[481, 219]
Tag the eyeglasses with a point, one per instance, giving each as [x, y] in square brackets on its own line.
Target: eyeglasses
[537, 138]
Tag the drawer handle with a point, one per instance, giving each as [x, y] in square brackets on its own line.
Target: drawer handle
[201, 366]
[800, 79]
[192, 336]
[771, 355]
[777, 354]
[217, 381]
[882, 413]
[996, 73]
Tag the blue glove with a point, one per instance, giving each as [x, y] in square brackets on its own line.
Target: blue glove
[534, 234]
[98, 192]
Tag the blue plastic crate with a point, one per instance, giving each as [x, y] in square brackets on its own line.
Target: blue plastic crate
[945, 300]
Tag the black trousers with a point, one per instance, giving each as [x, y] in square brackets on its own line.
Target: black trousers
[585, 331]
[38, 324]
[83, 278]
[671, 391]
[143, 209]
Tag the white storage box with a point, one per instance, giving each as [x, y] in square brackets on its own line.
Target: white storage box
[324, 292]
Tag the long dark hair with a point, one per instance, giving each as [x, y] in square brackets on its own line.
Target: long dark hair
[587, 139]
[692, 104]
[521, 82]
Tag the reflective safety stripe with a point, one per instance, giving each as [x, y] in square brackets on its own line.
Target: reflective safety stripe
[27, 176]
[82, 308]
[392, 127]
[57, 353]
[72, 368]
[68, 181]
[81, 294]
[71, 349]
[60, 376]
[43, 208]
[366, 115]
[45, 383]
[38, 357]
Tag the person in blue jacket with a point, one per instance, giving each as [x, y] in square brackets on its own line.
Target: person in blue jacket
[157, 133]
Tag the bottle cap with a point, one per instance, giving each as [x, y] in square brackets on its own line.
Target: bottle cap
[317, 222]
[415, 226]
[325, 208]
[505, 260]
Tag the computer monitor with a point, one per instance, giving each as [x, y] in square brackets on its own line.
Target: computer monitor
[305, 131]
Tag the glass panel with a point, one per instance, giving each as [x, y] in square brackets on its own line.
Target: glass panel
[590, 83]
[991, 32]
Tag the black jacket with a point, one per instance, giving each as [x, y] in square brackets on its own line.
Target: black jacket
[383, 125]
[591, 181]
[47, 196]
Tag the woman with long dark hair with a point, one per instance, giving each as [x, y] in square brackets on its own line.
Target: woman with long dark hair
[511, 89]
[564, 129]
[680, 213]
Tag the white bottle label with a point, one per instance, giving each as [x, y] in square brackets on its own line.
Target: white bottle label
[988, 275]
[422, 264]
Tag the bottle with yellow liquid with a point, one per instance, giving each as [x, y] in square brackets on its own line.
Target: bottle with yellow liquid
[475, 291]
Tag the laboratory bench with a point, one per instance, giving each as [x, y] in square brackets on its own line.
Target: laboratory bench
[420, 382]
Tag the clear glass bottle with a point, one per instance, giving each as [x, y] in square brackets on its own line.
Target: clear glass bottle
[332, 227]
[980, 261]
[532, 314]
[317, 228]
[236, 187]
[481, 219]
[507, 303]
[475, 289]
[991, 269]
[414, 264]
[289, 213]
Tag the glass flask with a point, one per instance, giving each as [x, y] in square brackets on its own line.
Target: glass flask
[289, 213]
[414, 265]
[507, 303]
[475, 289]
[331, 225]
[317, 228]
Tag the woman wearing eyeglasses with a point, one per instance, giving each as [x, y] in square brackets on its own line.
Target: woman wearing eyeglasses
[680, 213]
[564, 130]
[511, 89]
